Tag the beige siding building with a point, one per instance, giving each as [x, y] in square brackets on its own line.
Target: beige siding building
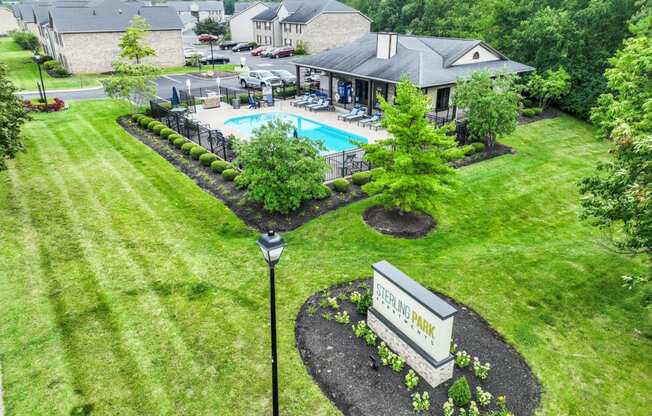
[241, 24]
[319, 26]
[7, 20]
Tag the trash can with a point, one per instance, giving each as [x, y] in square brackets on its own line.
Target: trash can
[235, 103]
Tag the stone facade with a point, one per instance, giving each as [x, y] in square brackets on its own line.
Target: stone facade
[7, 20]
[264, 33]
[432, 374]
[73, 50]
[330, 30]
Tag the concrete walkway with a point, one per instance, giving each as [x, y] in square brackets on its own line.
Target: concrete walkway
[216, 117]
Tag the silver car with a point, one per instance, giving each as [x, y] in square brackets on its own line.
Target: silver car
[259, 79]
[287, 78]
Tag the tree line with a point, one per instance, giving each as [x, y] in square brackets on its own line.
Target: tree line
[578, 35]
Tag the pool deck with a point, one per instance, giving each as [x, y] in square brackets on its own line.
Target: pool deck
[215, 117]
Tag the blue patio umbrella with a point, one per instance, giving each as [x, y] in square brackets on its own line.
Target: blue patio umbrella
[175, 97]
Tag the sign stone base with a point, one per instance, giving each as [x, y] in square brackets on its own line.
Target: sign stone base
[432, 371]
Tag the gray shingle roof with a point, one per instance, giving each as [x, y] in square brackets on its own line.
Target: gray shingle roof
[309, 9]
[112, 16]
[425, 60]
[302, 11]
[241, 6]
[202, 6]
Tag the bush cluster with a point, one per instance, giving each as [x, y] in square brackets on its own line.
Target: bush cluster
[173, 137]
[478, 147]
[166, 132]
[531, 112]
[144, 121]
[460, 392]
[362, 300]
[26, 40]
[180, 142]
[187, 147]
[323, 192]
[341, 185]
[55, 69]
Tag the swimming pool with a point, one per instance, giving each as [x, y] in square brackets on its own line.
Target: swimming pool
[334, 139]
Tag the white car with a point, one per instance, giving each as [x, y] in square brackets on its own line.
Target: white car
[191, 52]
[259, 79]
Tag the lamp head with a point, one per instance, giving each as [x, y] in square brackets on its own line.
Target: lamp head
[271, 245]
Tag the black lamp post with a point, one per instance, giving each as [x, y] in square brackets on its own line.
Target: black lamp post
[212, 58]
[272, 245]
[37, 59]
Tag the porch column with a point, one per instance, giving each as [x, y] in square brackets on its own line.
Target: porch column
[298, 77]
[370, 97]
[330, 88]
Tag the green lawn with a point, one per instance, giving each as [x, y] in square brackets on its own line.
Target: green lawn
[127, 288]
[23, 72]
[204, 68]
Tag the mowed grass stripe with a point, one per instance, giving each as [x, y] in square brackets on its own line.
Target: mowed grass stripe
[152, 318]
[32, 345]
[90, 312]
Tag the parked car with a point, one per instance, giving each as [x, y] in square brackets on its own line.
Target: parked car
[227, 44]
[242, 47]
[257, 51]
[190, 52]
[268, 52]
[287, 78]
[216, 59]
[259, 79]
[283, 52]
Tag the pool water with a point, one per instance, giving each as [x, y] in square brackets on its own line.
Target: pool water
[334, 139]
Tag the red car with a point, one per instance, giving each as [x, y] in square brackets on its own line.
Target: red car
[282, 52]
[258, 50]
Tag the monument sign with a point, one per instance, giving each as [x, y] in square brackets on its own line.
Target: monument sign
[414, 322]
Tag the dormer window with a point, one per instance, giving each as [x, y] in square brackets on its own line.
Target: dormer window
[476, 56]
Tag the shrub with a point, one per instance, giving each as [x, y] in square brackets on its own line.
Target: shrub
[137, 117]
[478, 147]
[58, 71]
[152, 124]
[197, 151]
[480, 370]
[166, 132]
[343, 317]
[462, 359]
[341, 185]
[187, 147]
[220, 166]
[26, 40]
[301, 48]
[360, 178]
[50, 65]
[531, 112]
[241, 182]
[230, 174]
[322, 192]
[280, 180]
[144, 121]
[390, 358]
[460, 392]
[180, 142]
[158, 128]
[207, 158]
[376, 172]
[361, 330]
[411, 380]
[173, 137]
[421, 402]
[362, 301]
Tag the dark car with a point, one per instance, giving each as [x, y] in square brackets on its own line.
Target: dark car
[216, 59]
[242, 47]
[227, 44]
[282, 52]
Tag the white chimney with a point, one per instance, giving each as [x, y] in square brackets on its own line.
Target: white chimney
[386, 43]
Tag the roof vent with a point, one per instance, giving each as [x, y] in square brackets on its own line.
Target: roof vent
[94, 12]
[119, 11]
[386, 43]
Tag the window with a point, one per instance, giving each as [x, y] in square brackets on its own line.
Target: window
[296, 28]
[258, 39]
[476, 55]
[257, 25]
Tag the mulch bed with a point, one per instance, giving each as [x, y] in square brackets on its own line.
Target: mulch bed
[340, 363]
[498, 149]
[251, 213]
[391, 222]
[547, 113]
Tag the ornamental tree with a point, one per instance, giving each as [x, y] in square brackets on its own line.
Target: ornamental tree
[491, 104]
[133, 43]
[415, 156]
[618, 198]
[552, 86]
[12, 116]
[280, 171]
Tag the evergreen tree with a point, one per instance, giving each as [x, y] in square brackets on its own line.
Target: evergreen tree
[414, 159]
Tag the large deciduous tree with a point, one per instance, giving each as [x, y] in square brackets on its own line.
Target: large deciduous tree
[12, 116]
[414, 159]
[619, 197]
[491, 105]
[280, 171]
[551, 86]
